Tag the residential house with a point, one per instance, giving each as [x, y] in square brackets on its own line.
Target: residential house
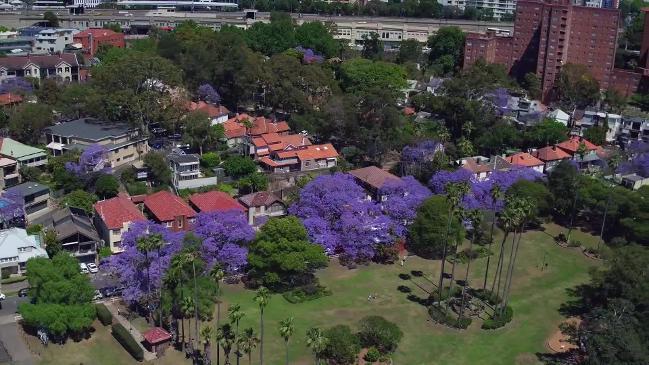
[16, 247]
[186, 172]
[63, 66]
[10, 99]
[574, 143]
[634, 129]
[214, 201]
[9, 175]
[75, 232]
[17, 45]
[36, 199]
[634, 181]
[218, 114]
[91, 39]
[243, 126]
[25, 155]
[524, 159]
[559, 116]
[270, 142]
[123, 142]
[481, 167]
[170, 210]
[373, 179]
[551, 156]
[54, 40]
[261, 206]
[113, 217]
[304, 158]
[591, 118]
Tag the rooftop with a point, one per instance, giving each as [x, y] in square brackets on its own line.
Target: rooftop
[156, 335]
[28, 188]
[90, 129]
[166, 206]
[212, 111]
[373, 176]
[550, 153]
[183, 159]
[12, 148]
[44, 61]
[524, 159]
[215, 201]
[572, 144]
[14, 238]
[260, 199]
[117, 211]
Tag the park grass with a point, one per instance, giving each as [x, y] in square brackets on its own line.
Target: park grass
[537, 293]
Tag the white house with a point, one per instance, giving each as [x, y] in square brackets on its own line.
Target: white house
[559, 116]
[16, 247]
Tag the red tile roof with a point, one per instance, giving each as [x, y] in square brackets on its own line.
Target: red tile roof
[234, 126]
[524, 159]
[233, 129]
[408, 111]
[276, 142]
[312, 152]
[215, 201]
[96, 33]
[550, 153]
[211, 110]
[472, 165]
[156, 335]
[259, 199]
[9, 98]
[166, 206]
[373, 176]
[117, 211]
[573, 143]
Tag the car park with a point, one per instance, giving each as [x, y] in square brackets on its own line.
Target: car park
[84, 268]
[92, 268]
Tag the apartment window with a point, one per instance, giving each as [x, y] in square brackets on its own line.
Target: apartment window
[67, 69]
[115, 231]
[59, 70]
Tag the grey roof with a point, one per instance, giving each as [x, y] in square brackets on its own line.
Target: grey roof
[45, 61]
[633, 177]
[28, 188]
[90, 129]
[191, 158]
[69, 221]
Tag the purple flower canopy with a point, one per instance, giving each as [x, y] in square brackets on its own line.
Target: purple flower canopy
[93, 159]
[16, 85]
[309, 56]
[225, 236]
[208, 93]
[338, 216]
[11, 205]
[639, 163]
[422, 151]
[130, 266]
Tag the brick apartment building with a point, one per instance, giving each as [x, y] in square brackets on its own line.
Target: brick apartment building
[549, 34]
[92, 39]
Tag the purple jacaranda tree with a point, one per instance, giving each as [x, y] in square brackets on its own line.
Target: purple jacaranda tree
[638, 162]
[401, 199]
[209, 94]
[94, 159]
[309, 56]
[225, 237]
[130, 266]
[11, 206]
[337, 215]
[16, 85]
[500, 100]
[421, 152]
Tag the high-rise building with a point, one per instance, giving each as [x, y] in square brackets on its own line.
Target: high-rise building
[500, 8]
[549, 34]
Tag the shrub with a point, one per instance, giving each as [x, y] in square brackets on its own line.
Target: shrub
[10, 280]
[378, 332]
[466, 255]
[574, 243]
[560, 238]
[342, 346]
[106, 186]
[440, 315]
[105, 252]
[210, 160]
[104, 315]
[386, 254]
[372, 355]
[128, 342]
[136, 188]
[306, 293]
[498, 320]
[34, 229]
[486, 295]
[446, 293]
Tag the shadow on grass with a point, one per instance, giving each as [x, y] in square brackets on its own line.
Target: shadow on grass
[582, 296]
[565, 358]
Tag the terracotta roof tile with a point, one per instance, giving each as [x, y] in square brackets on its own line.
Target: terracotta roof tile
[524, 159]
[211, 110]
[117, 211]
[156, 335]
[166, 206]
[262, 198]
[9, 98]
[373, 176]
[573, 143]
[550, 153]
[215, 201]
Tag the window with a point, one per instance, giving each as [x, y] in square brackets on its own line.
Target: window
[170, 224]
[67, 69]
[115, 231]
[179, 222]
[28, 72]
[59, 70]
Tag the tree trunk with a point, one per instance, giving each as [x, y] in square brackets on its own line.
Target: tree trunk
[518, 243]
[491, 238]
[509, 267]
[286, 352]
[601, 231]
[452, 283]
[500, 262]
[441, 273]
[218, 319]
[261, 338]
[196, 323]
[466, 275]
[237, 348]
[572, 216]
[160, 291]
[148, 287]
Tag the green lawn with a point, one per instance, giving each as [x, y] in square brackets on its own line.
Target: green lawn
[536, 296]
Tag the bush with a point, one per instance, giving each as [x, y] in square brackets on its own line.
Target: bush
[306, 293]
[136, 188]
[486, 295]
[386, 254]
[210, 160]
[34, 229]
[378, 332]
[440, 315]
[561, 238]
[372, 355]
[105, 252]
[128, 342]
[466, 255]
[574, 243]
[342, 346]
[15, 279]
[106, 186]
[498, 320]
[446, 293]
[104, 315]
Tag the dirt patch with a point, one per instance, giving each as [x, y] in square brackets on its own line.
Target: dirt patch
[558, 342]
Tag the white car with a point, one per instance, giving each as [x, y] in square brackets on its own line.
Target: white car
[3, 296]
[92, 268]
[97, 295]
[84, 268]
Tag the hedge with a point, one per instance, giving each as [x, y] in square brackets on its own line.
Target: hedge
[104, 315]
[498, 320]
[441, 315]
[306, 293]
[128, 342]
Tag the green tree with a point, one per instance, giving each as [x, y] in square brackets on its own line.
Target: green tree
[614, 101]
[158, 168]
[360, 75]
[226, 338]
[248, 342]
[206, 335]
[274, 37]
[537, 192]
[282, 257]
[562, 182]
[317, 342]
[106, 186]
[446, 49]
[239, 166]
[409, 51]
[235, 314]
[262, 297]
[210, 160]
[427, 233]
[79, 100]
[576, 87]
[317, 36]
[48, 91]
[217, 274]
[545, 133]
[28, 120]
[532, 85]
[596, 134]
[80, 199]
[378, 332]
[30, 173]
[251, 183]
[286, 329]
[51, 18]
[372, 46]
[342, 346]
[52, 244]
[199, 131]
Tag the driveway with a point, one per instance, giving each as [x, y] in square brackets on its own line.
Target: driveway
[12, 341]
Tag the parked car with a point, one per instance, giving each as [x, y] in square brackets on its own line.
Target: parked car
[108, 291]
[98, 295]
[84, 268]
[23, 292]
[92, 268]
[3, 296]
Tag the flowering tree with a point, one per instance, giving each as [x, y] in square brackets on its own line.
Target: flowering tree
[11, 206]
[639, 161]
[421, 152]
[93, 159]
[225, 236]
[309, 56]
[16, 85]
[132, 266]
[401, 200]
[337, 216]
[209, 94]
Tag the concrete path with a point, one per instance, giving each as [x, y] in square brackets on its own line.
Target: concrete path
[13, 342]
[148, 355]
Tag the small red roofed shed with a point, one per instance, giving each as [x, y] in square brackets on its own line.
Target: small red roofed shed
[157, 340]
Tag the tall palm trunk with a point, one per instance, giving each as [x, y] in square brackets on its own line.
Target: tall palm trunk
[441, 273]
[148, 287]
[499, 265]
[572, 216]
[491, 238]
[196, 323]
[159, 291]
[452, 283]
[601, 231]
[261, 337]
[286, 345]
[511, 274]
[509, 266]
[466, 275]
[218, 320]
[237, 353]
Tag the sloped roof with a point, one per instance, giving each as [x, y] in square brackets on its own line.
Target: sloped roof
[311, 152]
[373, 176]
[17, 150]
[215, 201]
[572, 144]
[260, 199]
[166, 206]
[70, 221]
[14, 238]
[260, 125]
[550, 153]
[524, 159]
[276, 142]
[117, 211]
[211, 110]
[43, 61]
[156, 335]
[476, 167]
[9, 98]
[97, 33]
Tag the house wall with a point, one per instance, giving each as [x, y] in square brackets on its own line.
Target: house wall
[196, 183]
[129, 153]
[317, 164]
[12, 172]
[180, 223]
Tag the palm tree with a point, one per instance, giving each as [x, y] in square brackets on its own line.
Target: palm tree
[217, 275]
[191, 257]
[261, 298]
[235, 314]
[506, 219]
[317, 342]
[156, 242]
[207, 333]
[226, 337]
[174, 281]
[286, 330]
[248, 342]
[187, 308]
[475, 217]
[453, 198]
[496, 194]
[144, 245]
[455, 194]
